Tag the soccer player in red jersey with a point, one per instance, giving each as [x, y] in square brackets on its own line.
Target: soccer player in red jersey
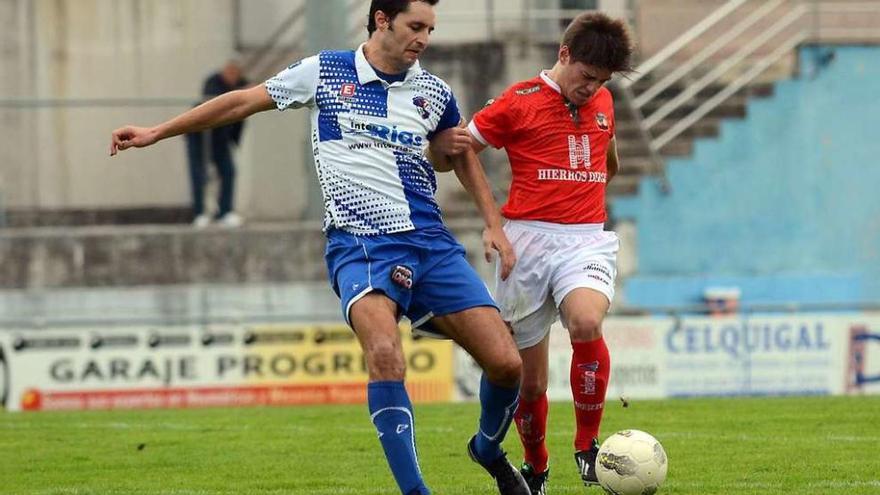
[558, 131]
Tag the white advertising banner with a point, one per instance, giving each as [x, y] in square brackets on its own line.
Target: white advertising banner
[772, 355]
[146, 367]
[792, 354]
[183, 367]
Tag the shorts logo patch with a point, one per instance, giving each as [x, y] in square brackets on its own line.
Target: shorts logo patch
[599, 272]
[402, 276]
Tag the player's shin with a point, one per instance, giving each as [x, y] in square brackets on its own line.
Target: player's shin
[531, 423]
[392, 414]
[498, 406]
[590, 371]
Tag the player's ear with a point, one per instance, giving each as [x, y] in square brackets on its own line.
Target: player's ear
[564, 54]
[382, 21]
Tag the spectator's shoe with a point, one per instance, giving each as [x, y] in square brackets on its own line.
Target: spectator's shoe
[231, 220]
[586, 462]
[537, 481]
[201, 221]
[508, 479]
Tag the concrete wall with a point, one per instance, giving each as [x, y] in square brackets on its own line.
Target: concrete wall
[782, 204]
[54, 158]
[57, 158]
[158, 305]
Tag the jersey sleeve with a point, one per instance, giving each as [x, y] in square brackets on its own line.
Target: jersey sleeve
[295, 86]
[496, 122]
[605, 107]
[451, 116]
[611, 117]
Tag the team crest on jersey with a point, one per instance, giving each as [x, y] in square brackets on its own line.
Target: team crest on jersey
[402, 276]
[602, 121]
[347, 91]
[528, 91]
[489, 102]
[423, 105]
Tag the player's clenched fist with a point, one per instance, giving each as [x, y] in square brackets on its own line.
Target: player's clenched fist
[132, 137]
[452, 141]
[447, 144]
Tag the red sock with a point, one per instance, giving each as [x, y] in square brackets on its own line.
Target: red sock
[531, 423]
[590, 369]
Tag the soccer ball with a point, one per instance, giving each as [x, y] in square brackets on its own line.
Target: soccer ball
[631, 462]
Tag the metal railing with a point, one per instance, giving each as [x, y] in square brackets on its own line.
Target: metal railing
[720, 70]
[635, 114]
[760, 32]
[695, 32]
[783, 18]
[679, 72]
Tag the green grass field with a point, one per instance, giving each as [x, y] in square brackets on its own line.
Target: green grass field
[811, 445]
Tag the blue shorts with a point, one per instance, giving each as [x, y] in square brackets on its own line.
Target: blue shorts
[425, 272]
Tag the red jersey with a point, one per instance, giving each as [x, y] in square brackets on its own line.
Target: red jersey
[558, 161]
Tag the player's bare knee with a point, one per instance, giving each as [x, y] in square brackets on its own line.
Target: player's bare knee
[385, 362]
[505, 371]
[532, 389]
[585, 328]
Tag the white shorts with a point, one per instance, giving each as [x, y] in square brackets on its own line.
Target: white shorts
[552, 260]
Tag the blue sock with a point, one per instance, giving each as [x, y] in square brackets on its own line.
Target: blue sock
[498, 405]
[391, 412]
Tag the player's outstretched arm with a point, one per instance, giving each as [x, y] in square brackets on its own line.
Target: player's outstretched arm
[224, 109]
[470, 173]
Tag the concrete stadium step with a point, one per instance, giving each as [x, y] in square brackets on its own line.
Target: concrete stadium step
[637, 166]
[128, 256]
[735, 106]
[759, 89]
[27, 218]
[634, 149]
[628, 130]
[635, 156]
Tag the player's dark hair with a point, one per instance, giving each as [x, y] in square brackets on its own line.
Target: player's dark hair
[593, 38]
[391, 8]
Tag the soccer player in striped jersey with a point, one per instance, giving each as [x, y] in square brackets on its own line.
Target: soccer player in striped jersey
[374, 112]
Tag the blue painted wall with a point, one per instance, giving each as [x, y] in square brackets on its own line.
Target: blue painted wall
[784, 204]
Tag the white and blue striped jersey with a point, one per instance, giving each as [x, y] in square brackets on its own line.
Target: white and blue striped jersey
[369, 139]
